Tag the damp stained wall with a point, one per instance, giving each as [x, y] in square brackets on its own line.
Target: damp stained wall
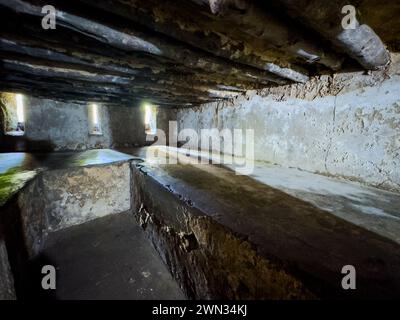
[8, 106]
[345, 125]
[65, 126]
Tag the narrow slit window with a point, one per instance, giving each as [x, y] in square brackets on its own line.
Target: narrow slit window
[94, 119]
[20, 108]
[150, 119]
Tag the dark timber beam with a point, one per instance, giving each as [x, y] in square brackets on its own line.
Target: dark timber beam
[13, 47]
[131, 40]
[202, 31]
[58, 81]
[39, 68]
[360, 43]
[175, 52]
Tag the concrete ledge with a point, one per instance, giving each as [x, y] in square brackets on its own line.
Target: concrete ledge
[209, 260]
[17, 169]
[58, 199]
[230, 237]
[46, 193]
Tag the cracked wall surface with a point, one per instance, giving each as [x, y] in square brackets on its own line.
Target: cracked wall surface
[345, 125]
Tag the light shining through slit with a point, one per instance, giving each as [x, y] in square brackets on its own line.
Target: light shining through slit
[20, 108]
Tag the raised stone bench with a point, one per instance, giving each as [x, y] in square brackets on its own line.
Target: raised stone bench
[233, 237]
[264, 236]
[18, 168]
[42, 194]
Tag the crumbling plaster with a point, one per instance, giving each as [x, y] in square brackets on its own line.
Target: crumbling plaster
[345, 125]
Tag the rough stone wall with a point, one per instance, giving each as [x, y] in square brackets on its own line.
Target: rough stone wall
[164, 116]
[65, 126]
[3, 115]
[59, 199]
[8, 105]
[127, 126]
[7, 291]
[346, 125]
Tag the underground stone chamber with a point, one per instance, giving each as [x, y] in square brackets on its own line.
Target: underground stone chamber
[223, 149]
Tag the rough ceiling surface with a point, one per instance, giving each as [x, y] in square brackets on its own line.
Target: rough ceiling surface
[185, 52]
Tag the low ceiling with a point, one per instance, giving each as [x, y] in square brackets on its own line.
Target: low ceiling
[185, 52]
